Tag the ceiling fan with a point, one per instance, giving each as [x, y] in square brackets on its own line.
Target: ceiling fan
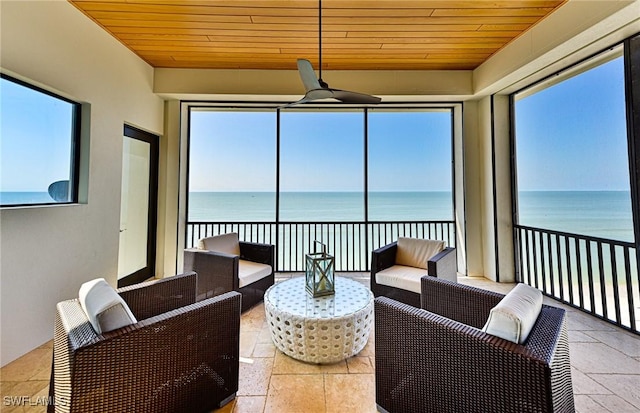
[317, 89]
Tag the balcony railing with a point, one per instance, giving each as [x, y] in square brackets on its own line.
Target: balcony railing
[350, 243]
[597, 275]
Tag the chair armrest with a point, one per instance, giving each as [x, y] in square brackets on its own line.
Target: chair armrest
[152, 298]
[217, 271]
[141, 367]
[256, 252]
[463, 303]
[444, 265]
[383, 257]
[420, 354]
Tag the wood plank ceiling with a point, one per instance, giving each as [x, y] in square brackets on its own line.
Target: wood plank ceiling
[356, 34]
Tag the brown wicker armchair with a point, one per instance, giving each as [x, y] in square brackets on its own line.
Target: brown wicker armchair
[439, 360]
[181, 357]
[222, 271]
[442, 265]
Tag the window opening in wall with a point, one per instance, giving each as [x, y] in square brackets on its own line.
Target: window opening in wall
[39, 145]
[352, 178]
[573, 227]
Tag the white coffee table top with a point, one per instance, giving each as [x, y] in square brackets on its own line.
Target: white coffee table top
[319, 330]
[291, 297]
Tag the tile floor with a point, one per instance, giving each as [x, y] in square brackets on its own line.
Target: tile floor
[605, 361]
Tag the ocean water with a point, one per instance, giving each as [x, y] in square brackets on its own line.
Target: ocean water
[320, 206]
[605, 214]
[24, 198]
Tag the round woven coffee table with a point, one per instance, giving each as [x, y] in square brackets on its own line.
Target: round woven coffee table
[319, 330]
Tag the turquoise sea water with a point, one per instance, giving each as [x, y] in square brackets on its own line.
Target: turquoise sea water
[22, 198]
[605, 214]
[319, 206]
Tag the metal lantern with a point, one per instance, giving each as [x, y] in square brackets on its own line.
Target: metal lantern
[320, 277]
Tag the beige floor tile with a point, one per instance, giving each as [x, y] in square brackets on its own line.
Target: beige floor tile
[481, 282]
[36, 363]
[359, 365]
[583, 384]
[353, 393]
[248, 341]
[29, 389]
[600, 358]
[370, 348]
[253, 319]
[577, 320]
[29, 396]
[6, 387]
[254, 377]
[585, 404]
[624, 342]
[264, 350]
[296, 394]
[250, 404]
[284, 364]
[623, 385]
[265, 336]
[576, 336]
[605, 370]
[227, 408]
[614, 403]
[48, 345]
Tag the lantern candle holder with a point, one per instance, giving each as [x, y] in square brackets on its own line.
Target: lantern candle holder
[320, 275]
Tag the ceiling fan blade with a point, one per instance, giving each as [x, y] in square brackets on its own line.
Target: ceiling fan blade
[311, 95]
[346, 96]
[317, 89]
[308, 75]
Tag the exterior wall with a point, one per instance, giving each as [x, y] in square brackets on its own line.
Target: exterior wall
[502, 201]
[473, 190]
[47, 252]
[485, 164]
[168, 193]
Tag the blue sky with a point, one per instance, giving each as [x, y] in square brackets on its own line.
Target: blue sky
[321, 151]
[35, 145]
[572, 136]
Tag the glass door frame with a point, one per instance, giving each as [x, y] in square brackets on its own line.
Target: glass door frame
[149, 270]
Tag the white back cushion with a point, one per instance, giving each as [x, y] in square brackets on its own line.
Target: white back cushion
[227, 243]
[415, 252]
[514, 316]
[104, 308]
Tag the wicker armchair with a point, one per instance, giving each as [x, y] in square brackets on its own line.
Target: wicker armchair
[181, 357]
[439, 360]
[220, 272]
[442, 265]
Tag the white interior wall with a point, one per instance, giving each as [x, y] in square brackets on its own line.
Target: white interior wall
[47, 252]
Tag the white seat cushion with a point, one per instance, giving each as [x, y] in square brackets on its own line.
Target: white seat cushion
[104, 308]
[401, 276]
[227, 243]
[514, 316]
[415, 252]
[249, 272]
